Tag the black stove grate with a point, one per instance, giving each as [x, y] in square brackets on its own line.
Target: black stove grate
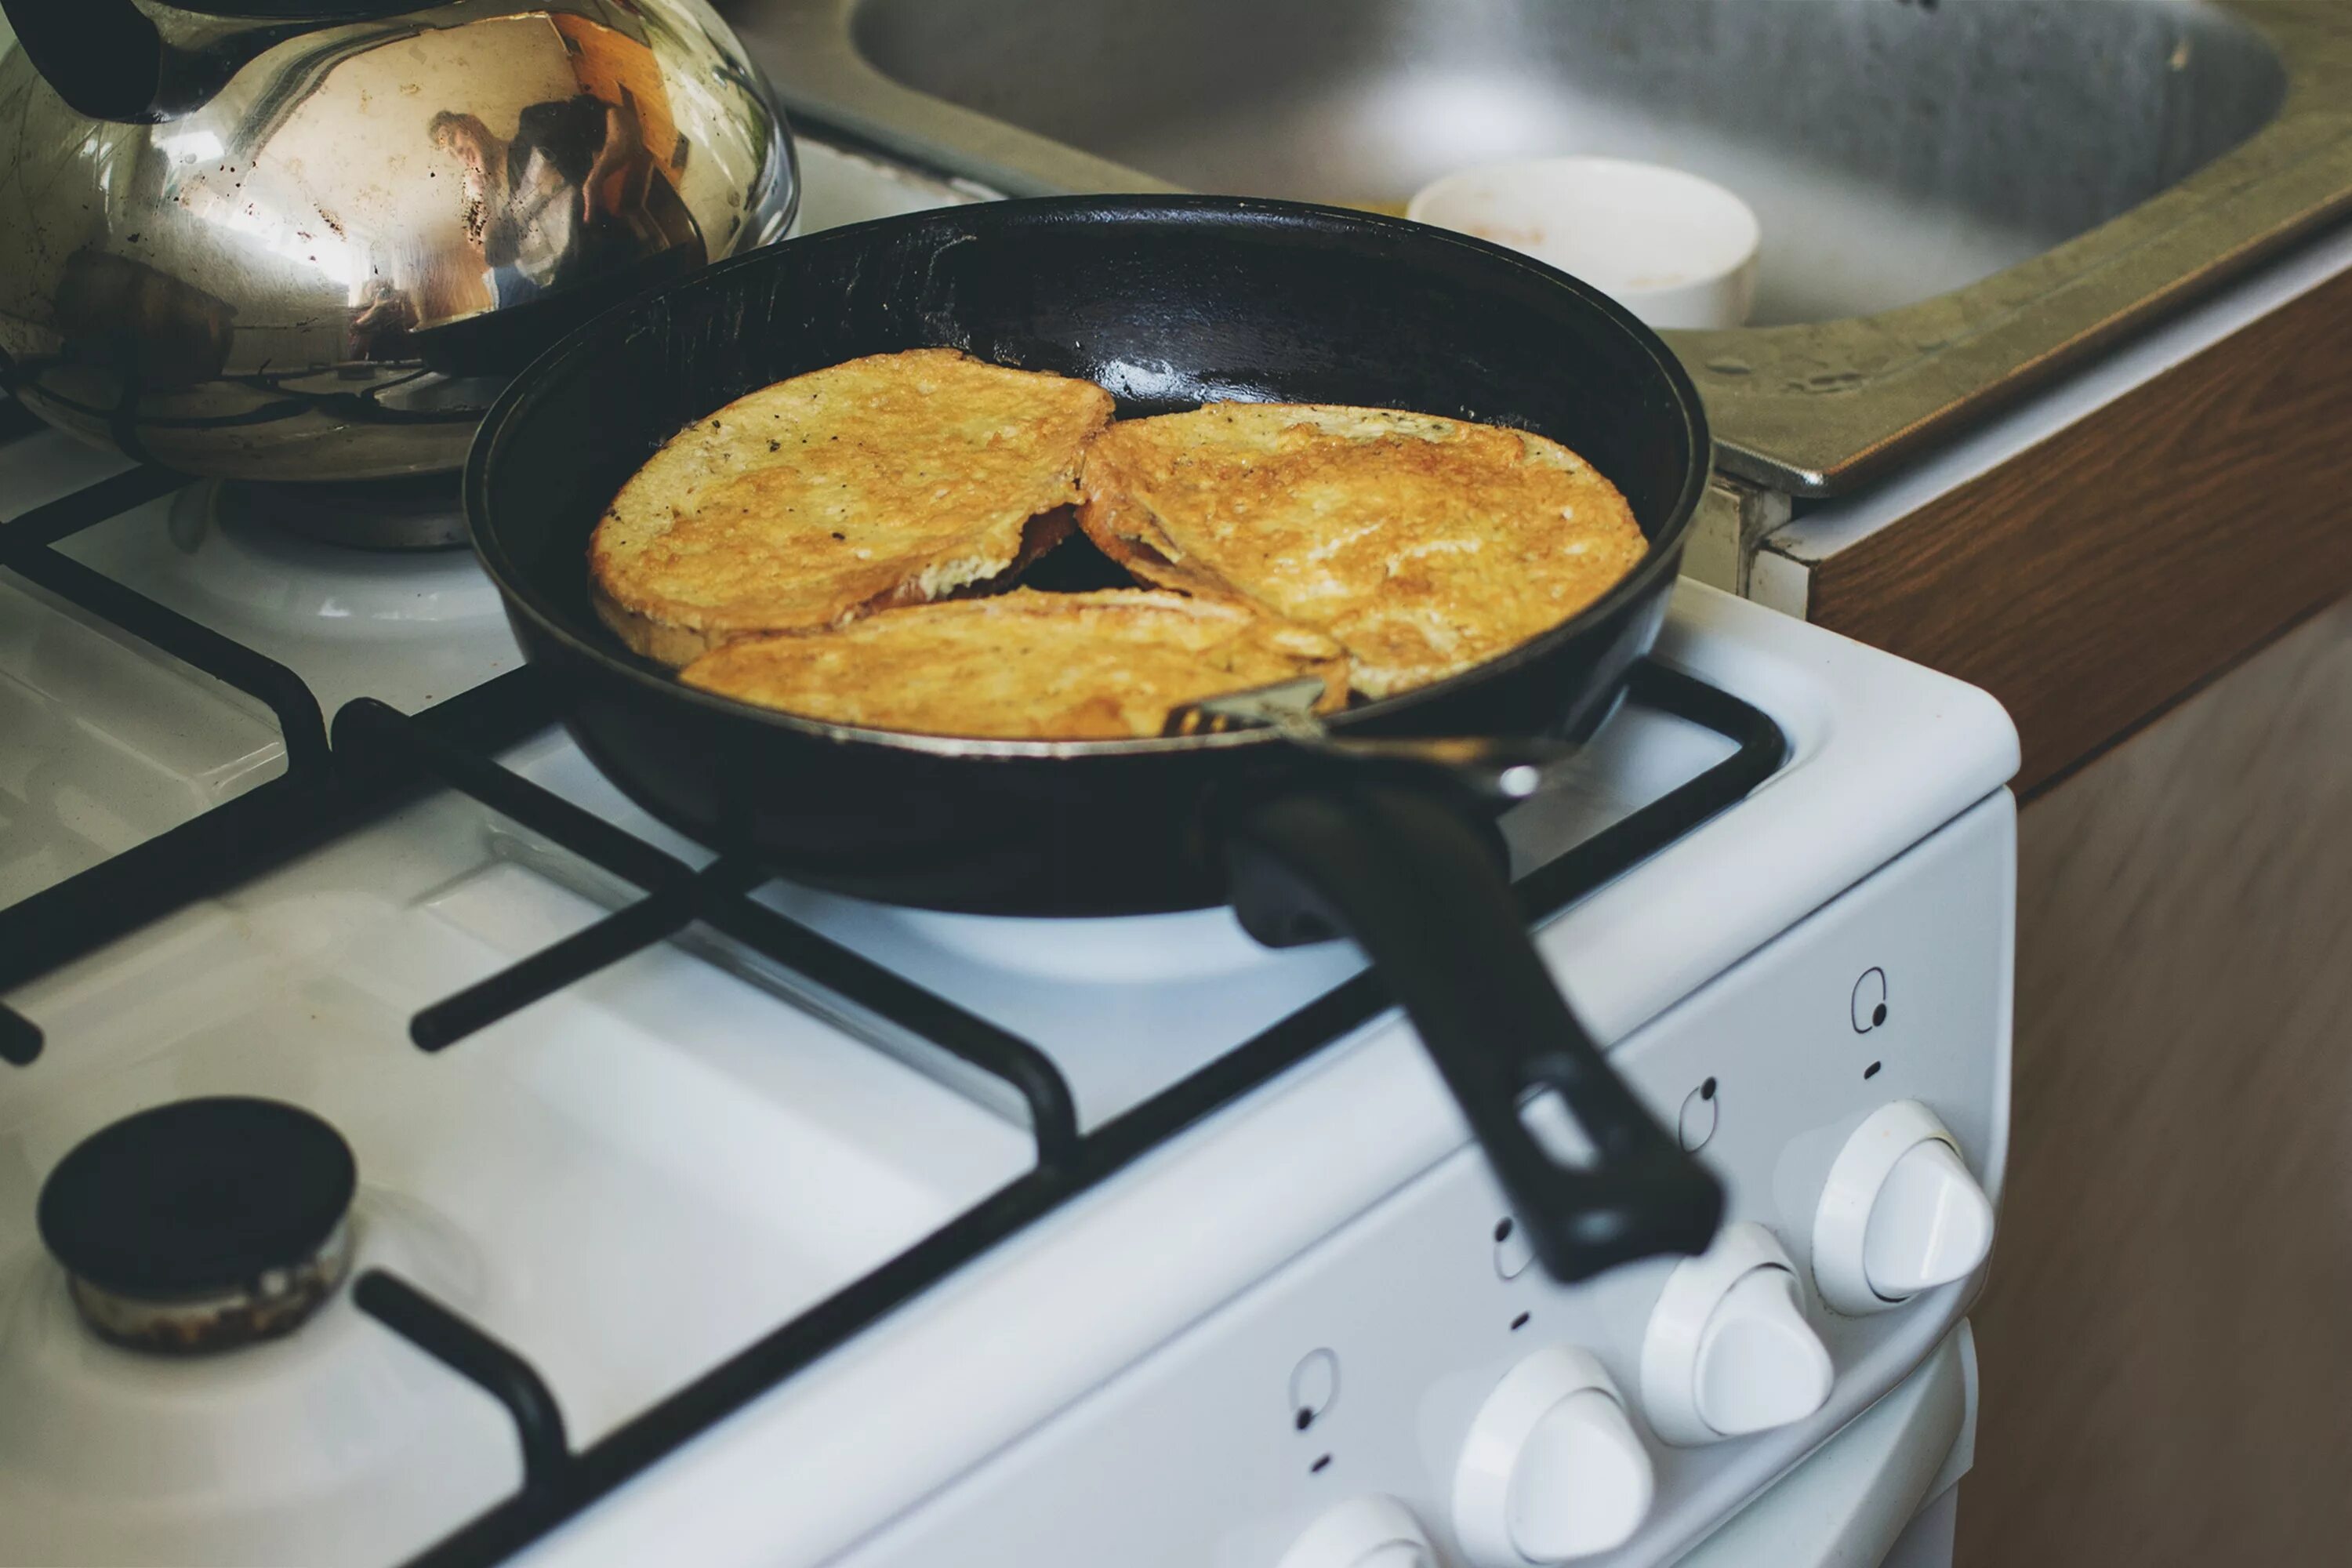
[371, 738]
[377, 758]
[27, 548]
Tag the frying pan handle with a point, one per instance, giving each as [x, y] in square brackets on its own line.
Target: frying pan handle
[1407, 874]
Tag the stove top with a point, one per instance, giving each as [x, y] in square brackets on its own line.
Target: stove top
[163, 653]
[640, 1136]
[566, 1132]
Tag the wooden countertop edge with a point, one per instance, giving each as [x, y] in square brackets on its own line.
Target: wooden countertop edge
[2103, 573]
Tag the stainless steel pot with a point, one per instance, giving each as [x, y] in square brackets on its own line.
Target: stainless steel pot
[312, 239]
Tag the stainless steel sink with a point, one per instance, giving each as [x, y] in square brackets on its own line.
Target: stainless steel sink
[1956, 198]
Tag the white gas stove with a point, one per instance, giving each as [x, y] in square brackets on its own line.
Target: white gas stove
[753, 1225]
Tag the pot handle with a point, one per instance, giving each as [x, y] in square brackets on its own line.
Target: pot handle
[1405, 872]
[104, 57]
[108, 59]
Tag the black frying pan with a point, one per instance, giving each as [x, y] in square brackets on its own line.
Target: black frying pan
[1168, 302]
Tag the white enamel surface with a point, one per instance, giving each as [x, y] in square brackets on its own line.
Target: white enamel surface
[1930, 1226]
[1676, 249]
[111, 742]
[275, 1452]
[627, 1182]
[410, 628]
[106, 741]
[1862, 1493]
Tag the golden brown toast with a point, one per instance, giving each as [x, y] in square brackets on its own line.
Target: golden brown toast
[893, 479]
[1423, 545]
[1024, 664]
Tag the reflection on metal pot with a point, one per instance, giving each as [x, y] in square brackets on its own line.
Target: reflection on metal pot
[327, 266]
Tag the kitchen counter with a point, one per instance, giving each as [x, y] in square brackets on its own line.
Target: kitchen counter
[2108, 547]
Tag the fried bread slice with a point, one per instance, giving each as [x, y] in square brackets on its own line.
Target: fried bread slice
[1024, 664]
[1423, 545]
[893, 479]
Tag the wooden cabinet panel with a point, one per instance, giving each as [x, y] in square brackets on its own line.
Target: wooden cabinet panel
[2167, 1338]
[2104, 574]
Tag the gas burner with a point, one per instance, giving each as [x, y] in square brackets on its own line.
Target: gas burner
[239, 570]
[203, 1224]
[421, 511]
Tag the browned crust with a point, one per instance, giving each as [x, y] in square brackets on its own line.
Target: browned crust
[660, 641]
[1122, 473]
[666, 642]
[678, 631]
[1104, 665]
[1122, 527]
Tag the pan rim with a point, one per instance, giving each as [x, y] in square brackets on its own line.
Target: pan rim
[1664, 555]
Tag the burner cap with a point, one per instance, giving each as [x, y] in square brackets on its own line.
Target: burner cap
[421, 511]
[197, 1196]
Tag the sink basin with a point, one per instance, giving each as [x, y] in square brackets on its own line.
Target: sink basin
[1956, 194]
[1892, 153]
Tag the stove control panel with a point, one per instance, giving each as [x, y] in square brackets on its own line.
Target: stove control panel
[1411, 1390]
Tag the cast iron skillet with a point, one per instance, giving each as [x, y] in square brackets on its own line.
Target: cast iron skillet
[1168, 302]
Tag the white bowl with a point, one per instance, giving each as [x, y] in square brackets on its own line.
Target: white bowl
[1675, 249]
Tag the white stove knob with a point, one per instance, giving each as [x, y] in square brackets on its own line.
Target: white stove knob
[1930, 1226]
[1363, 1532]
[1899, 1215]
[1760, 1365]
[1552, 1470]
[1728, 1351]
